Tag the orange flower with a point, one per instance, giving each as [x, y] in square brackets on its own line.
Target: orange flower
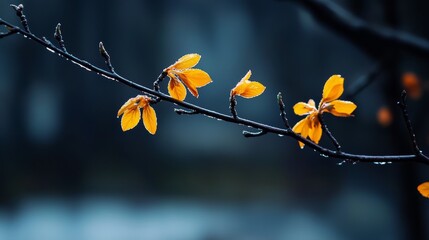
[424, 189]
[131, 114]
[310, 126]
[384, 116]
[182, 73]
[246, 88]
[412, 85]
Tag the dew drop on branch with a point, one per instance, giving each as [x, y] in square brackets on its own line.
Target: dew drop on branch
[50, 50]
[341, 163]
[108, 77]
[80, 65]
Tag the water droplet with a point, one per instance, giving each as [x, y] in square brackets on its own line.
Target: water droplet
[219, 119]
[50, 50]
[280, 135]
[341, 163]
[324, 155]
[80, 65]
[108, 77]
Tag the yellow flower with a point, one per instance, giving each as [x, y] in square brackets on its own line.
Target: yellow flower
[246, 88]
[131, 114]
[310, 126]
[182, 73]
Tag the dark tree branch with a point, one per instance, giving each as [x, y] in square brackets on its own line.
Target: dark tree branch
[377, 41]
[403, 105]
[325, 129]
[232, 105]
[158, 81]
[106, 57]
[20, 13]
[213, 114]
[364, 81]
[59, 37]
[282, 110]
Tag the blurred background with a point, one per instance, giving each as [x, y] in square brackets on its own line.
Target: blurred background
[67, 171]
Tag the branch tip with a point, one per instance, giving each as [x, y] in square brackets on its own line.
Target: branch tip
[20, 13]
[282, 110]
[106, 56]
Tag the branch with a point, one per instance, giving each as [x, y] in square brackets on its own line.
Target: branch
[194, 109]
[376, 41]
[325, 129]
[282, 110]
[403, 105]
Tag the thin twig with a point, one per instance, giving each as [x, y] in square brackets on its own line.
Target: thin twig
[213, 114]
[232, 105]
[282, 110]
[364, 81]
[106, 57]
[58, 35]
[158, 81]
[20, 13]
[403, 105]
[330, 135]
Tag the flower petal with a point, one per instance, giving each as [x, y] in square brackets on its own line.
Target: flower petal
[299, 125]
[301, 128]
[198, 77]
[149, 119]
[424, 189]
[303, 108]
[247, 76]
[316, 132]
[341, 108]
[130, 119]
[187, 61]
[252, 89]
[176, 89]
[128, 104]
[194, 78]
[333, 88]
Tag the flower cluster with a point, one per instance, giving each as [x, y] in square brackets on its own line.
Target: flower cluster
[182, 74]
[131, 114]
[310, 126]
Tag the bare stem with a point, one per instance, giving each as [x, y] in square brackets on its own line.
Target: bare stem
[232, 105]
[403, 105]
[282, 110]
[330, 135]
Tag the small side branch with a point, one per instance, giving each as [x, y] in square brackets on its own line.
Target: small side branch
[20, 13]
[330, 135]
[403, 105]
[159, 80]
[282, 110]
[232, 105]
[106, 57]
[59, 37]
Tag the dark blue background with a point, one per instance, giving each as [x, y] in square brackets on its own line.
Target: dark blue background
[67, 171]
